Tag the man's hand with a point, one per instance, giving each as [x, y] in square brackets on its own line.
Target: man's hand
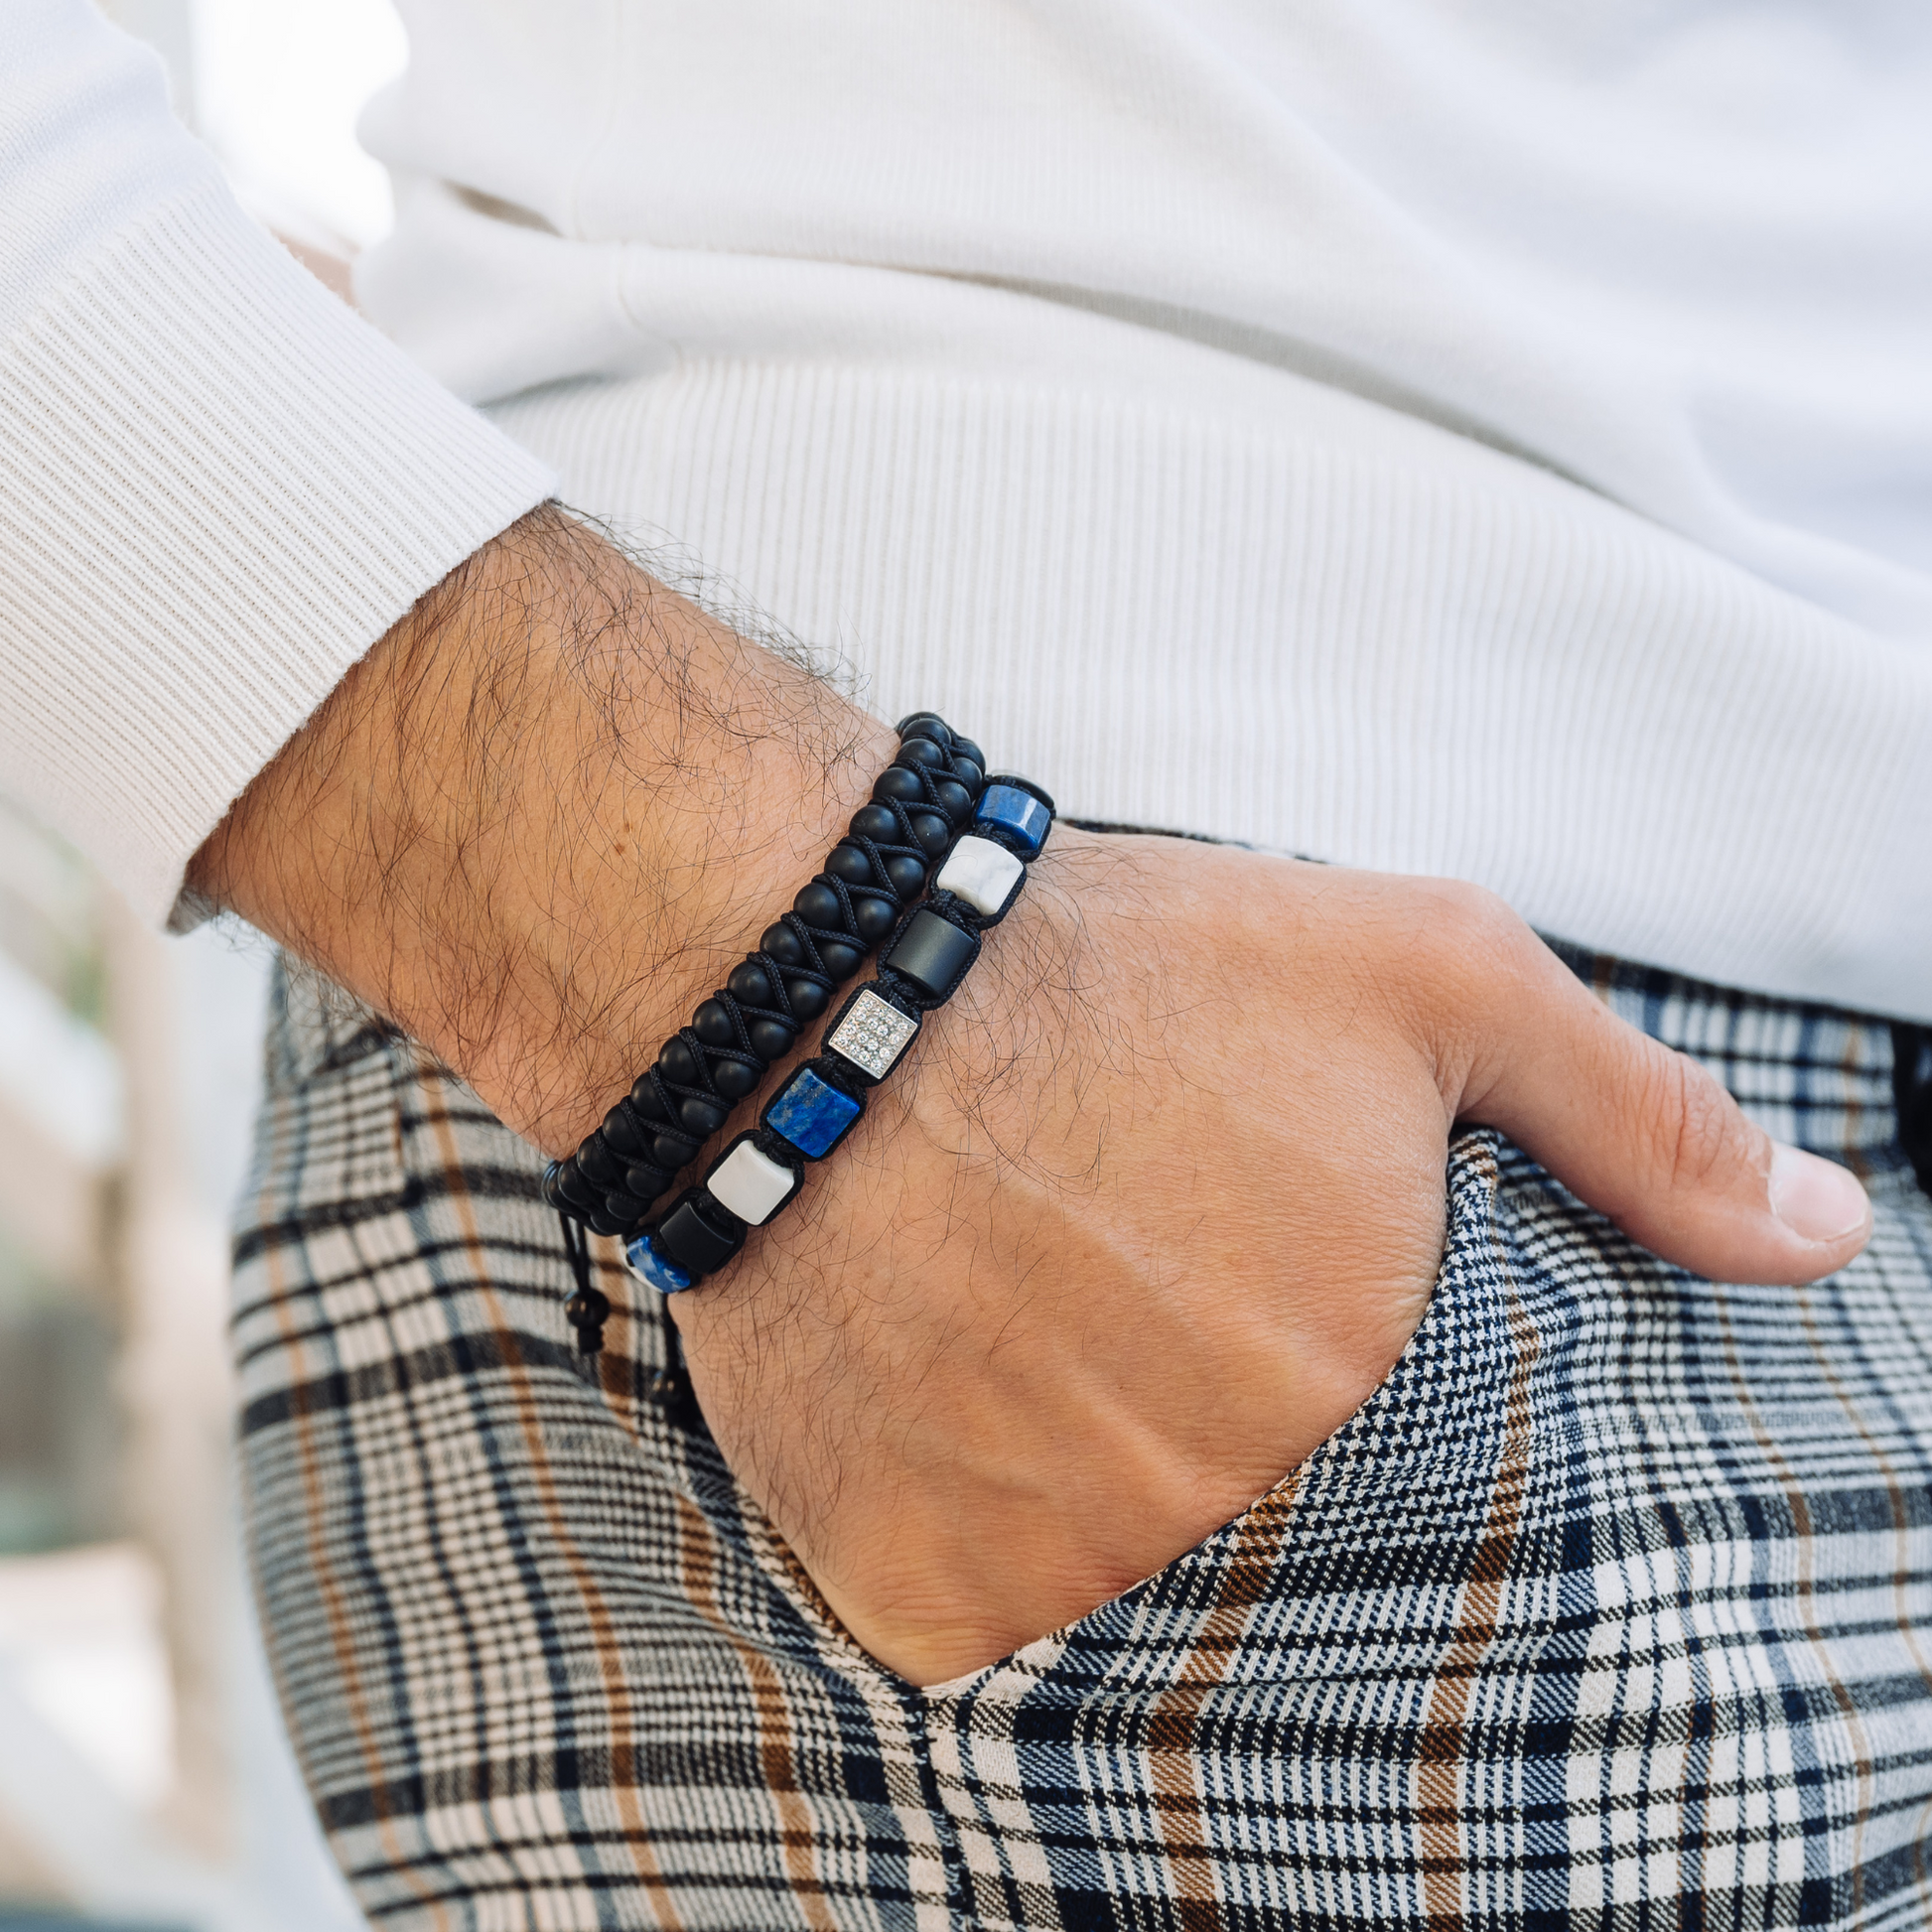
[1157, 1199]
[1159, 1203]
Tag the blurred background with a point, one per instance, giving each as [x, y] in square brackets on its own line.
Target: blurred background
[145, 1781]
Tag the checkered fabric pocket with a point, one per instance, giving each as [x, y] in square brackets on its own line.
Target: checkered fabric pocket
[1612, 1606]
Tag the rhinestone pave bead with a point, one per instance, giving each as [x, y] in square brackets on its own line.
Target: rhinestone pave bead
[873, 1034]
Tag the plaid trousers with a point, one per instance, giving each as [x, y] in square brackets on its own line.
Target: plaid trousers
[1611, 1608]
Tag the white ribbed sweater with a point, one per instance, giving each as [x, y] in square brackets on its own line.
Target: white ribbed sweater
[218, 487]
[1501, 449]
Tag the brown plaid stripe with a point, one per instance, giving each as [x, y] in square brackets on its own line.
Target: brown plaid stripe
[1612, 1606]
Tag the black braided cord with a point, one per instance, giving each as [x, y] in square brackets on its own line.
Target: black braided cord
[588, 1308]
[699, 1233]
[878, 869]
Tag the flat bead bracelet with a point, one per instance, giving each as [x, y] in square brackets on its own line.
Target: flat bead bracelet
[870, 875]
[881, 864]
[923, 966]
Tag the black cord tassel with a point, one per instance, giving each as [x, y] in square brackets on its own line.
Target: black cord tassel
[588, 1309]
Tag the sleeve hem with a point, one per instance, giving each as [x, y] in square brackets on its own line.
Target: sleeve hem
[218, 487]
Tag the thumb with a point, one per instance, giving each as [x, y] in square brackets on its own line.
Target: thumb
[1649, 1136]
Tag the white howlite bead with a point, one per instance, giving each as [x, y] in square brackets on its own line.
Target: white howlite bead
[979, 872]
[749, 1184]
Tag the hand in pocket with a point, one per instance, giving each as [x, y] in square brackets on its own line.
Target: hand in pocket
[1157, 1199]
[1158, 1204]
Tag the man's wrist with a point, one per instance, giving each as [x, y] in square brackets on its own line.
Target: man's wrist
[543, 814]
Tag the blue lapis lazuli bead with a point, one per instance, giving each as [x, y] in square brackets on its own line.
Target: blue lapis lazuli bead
[811, 1114]
[649, 1261]
[1017, 813]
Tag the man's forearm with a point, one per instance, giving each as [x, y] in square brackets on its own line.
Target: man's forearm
[1158, 1204]
[542, 816]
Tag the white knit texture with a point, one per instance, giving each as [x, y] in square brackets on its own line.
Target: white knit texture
[1384, 646]
[217, 488]
[968, 338]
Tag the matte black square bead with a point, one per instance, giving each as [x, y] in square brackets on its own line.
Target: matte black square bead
[934, 953]
[696, 1241]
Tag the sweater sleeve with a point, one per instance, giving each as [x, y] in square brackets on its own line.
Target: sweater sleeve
[218, 486]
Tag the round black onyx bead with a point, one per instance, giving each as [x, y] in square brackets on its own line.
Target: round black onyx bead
[625, 1206]
[898, 783]
[955, 799]
[922, 751]
[713, 1025]
[876, 823]
[970, 774]
[932, 831]
[599, 1221]
[644, 1097]
[751, 984]
[771, 1039]
[925, 723]
[964, 748]
[646, 1179]
[578, 1194]
[667, 1152]
[847, 861]
[818, 906]
[875, 917]
[553, 1194]
[701, 1117]
[679, 1064]
[599, 1166]
[622, 1133]
[841, 961]
[733, 1079]
[907, 876]
[808, 999]
[782, 944]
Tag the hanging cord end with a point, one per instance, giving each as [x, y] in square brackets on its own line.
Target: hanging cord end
[588, 1309]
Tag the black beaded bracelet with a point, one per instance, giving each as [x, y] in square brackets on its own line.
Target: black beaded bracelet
[872, 875]
[930, 953]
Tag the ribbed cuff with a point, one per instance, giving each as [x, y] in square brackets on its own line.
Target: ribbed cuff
[218, 487]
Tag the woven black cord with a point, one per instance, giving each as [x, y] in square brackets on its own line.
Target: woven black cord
[577, 1250]
[670, 1387]
[588, 1308]
[671, 1092]
[670, 1145]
